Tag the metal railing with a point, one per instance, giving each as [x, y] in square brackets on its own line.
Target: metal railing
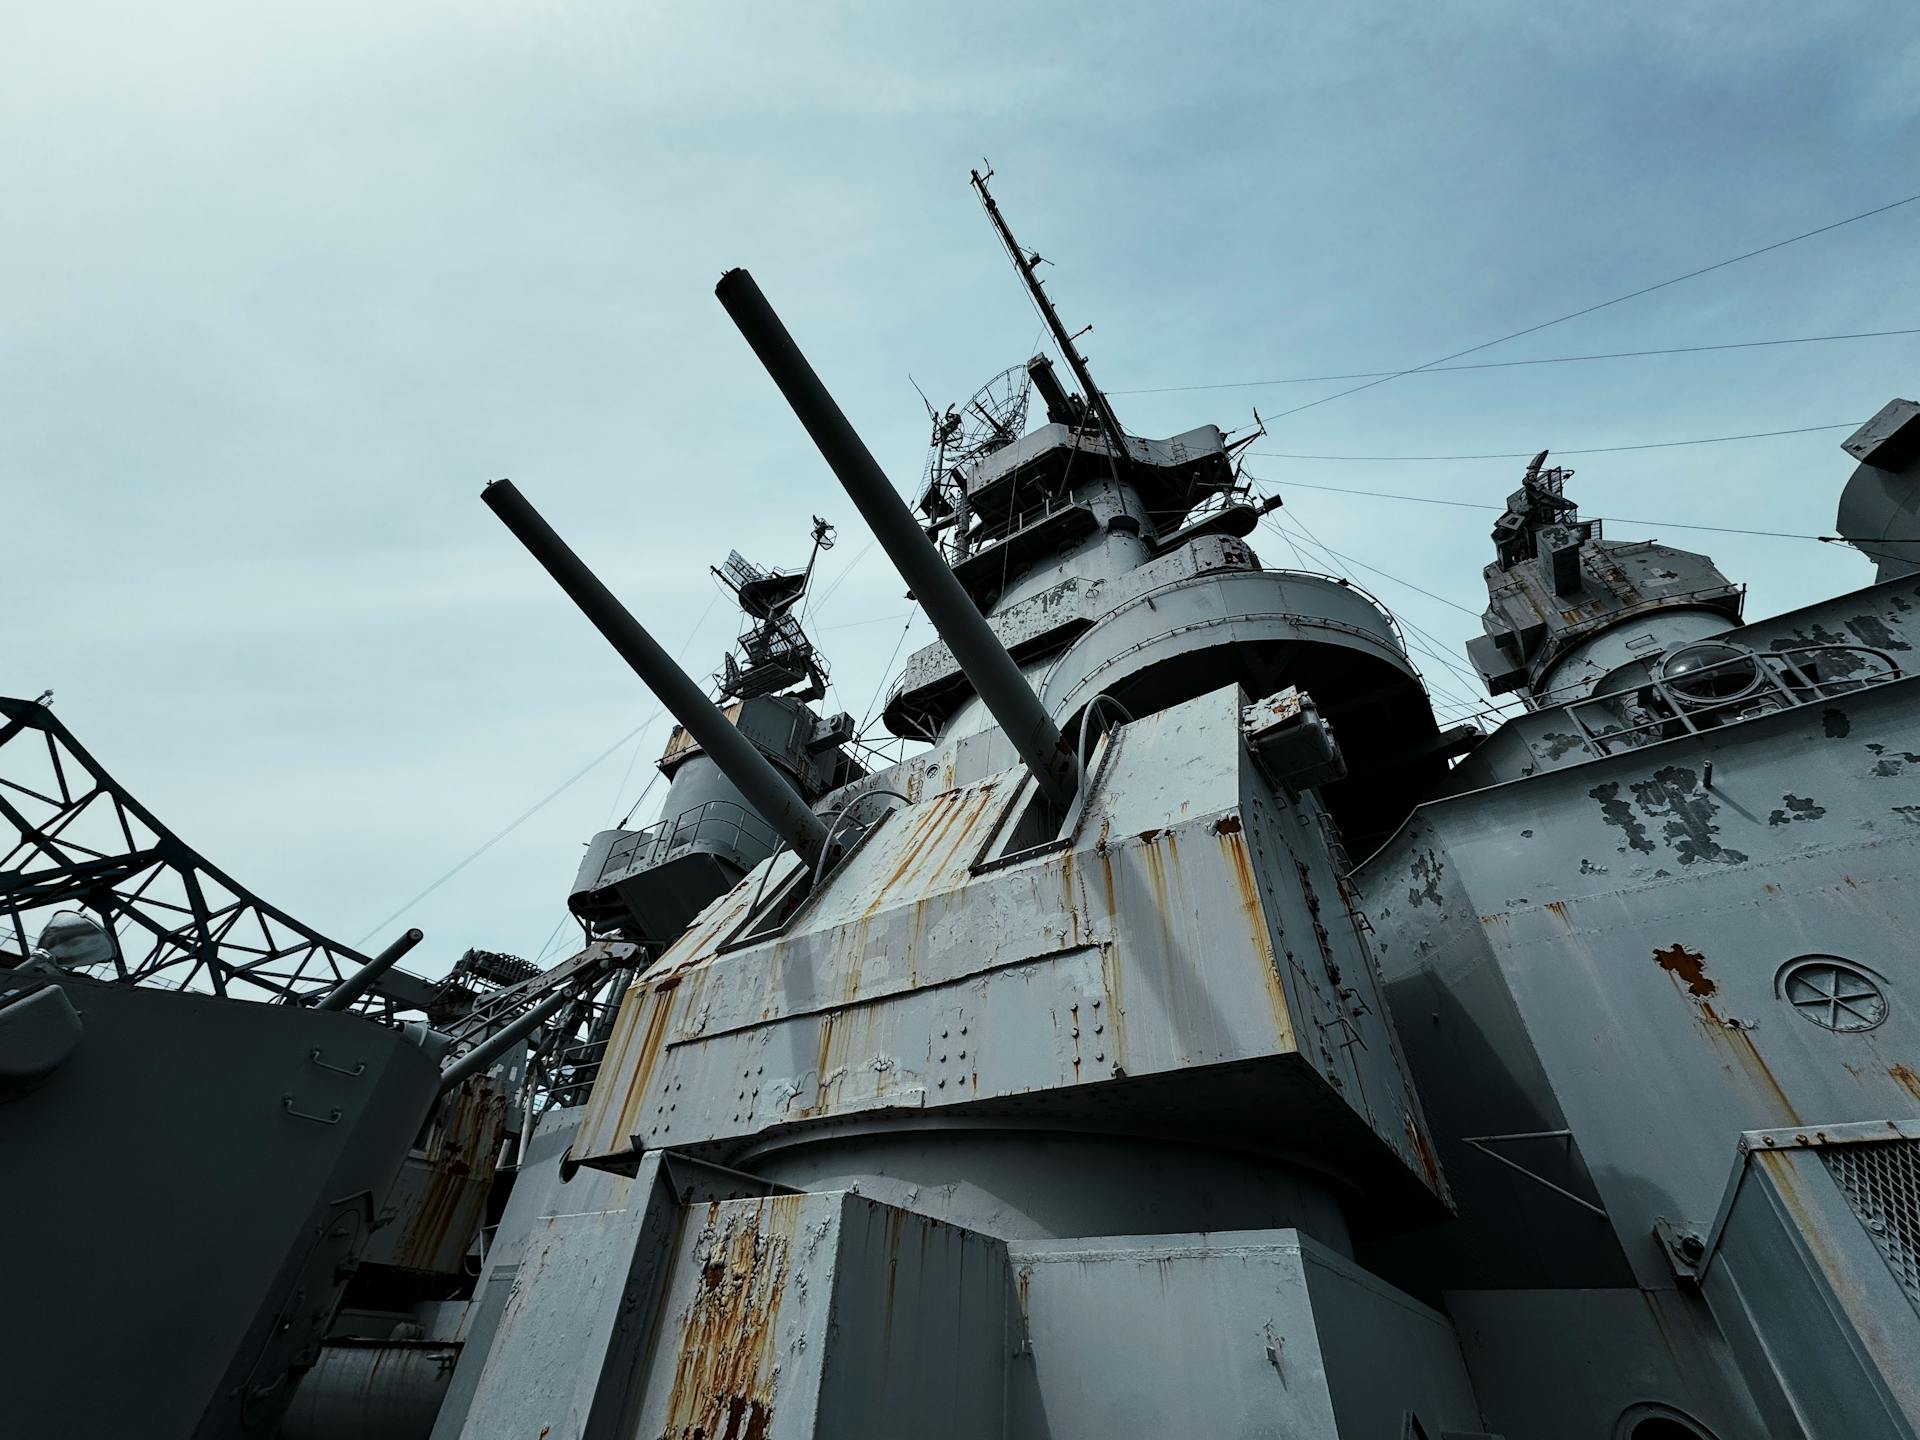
[1655, 709]
[719, 823]
[993, 534]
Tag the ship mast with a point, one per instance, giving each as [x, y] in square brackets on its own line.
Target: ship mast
[1026, 264]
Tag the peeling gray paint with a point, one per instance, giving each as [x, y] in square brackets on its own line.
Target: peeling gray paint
[1558, 743]
[1847, 661]
[1834, 721]
[1619, 814]
[1674, 793]
[1427, 868]
[1872, 630]
[1797, 808]
[1889, 765]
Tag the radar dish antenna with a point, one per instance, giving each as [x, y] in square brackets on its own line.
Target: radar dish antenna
[963, 435]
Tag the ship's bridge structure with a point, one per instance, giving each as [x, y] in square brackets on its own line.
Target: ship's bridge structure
[1043, 1084]
[1067, 1079]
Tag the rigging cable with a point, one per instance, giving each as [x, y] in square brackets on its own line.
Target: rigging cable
[546, 800]
[1619, 519]
[1604, 304]
[518, 821]
[1388, 574]
[1589, 450]
[1418, 639]
[1513, 364]
[1427, 643]
[874, 704]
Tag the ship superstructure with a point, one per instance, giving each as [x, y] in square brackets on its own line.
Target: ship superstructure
[1192, 1036]
[1086, 1087]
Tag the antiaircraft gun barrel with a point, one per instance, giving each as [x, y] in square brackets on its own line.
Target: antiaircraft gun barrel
[995, 677]
[361, 981]
[771, 795]
[501, 1041]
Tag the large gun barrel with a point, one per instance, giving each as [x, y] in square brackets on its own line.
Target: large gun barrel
[771, 795]
[361, 981]
[996, 679]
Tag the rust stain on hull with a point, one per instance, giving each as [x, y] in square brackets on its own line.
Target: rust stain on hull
[637, 1077]
[1246, 890]
[1735, 1037]
[723, 1379]
[1417, 1141]
[1688, 966]
[1905, 1077]
[459, 1175]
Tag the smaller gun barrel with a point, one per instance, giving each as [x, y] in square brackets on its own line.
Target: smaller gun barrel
[361, 981]
[772, 796]
[1060, 405]
[502, 1040]
[996, 679]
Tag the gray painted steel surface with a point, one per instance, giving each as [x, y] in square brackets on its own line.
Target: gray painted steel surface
[1588, 1107]
[1229, 1333]
[537, 1194]
[1822, 1223]
[1880, 508]
[248, 1147]
[1180, 957]
[373, 1390]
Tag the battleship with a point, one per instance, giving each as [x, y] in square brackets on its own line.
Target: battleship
[1182, 1032]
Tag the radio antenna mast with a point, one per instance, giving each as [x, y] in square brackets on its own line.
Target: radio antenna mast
[1026, 263]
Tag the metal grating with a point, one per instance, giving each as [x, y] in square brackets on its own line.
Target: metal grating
[1881, 1180]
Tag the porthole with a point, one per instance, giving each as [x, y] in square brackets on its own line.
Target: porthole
[1833, 993]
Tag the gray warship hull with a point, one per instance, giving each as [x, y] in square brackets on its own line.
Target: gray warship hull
[1194, 1037]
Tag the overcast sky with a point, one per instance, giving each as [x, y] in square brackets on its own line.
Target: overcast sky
[284, 286]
